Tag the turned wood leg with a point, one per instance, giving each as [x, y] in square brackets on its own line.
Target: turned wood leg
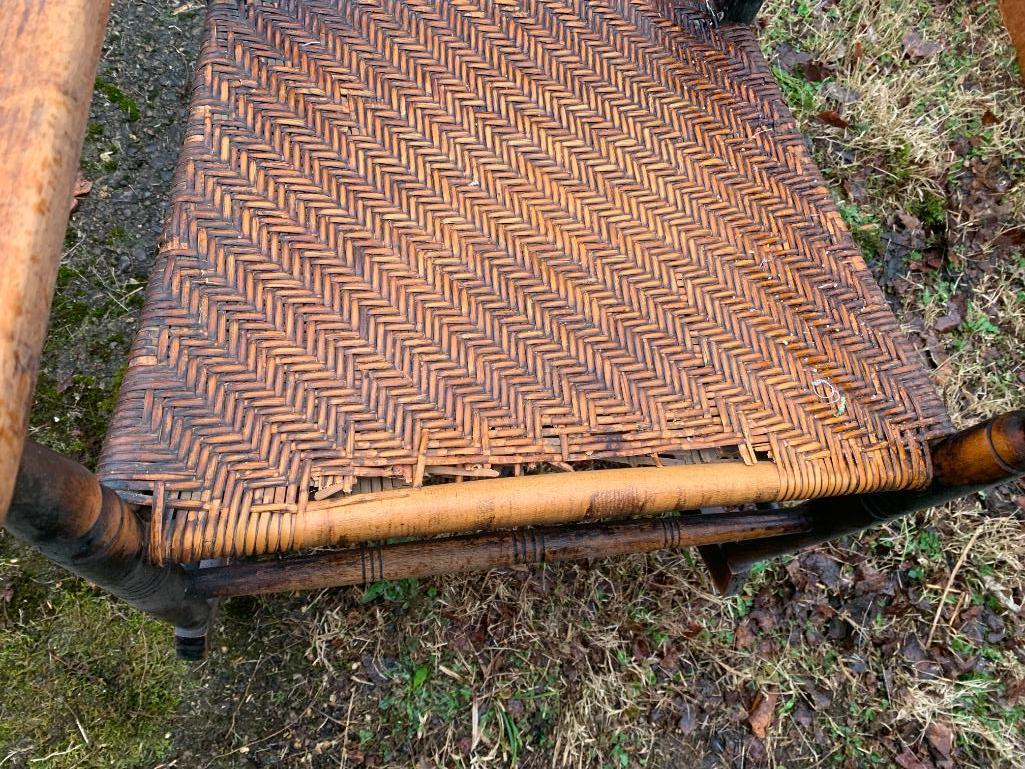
[739, 11]
[964, 463]
[61, 509]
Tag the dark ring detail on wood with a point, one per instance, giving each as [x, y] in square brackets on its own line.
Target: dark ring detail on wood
[492, 550]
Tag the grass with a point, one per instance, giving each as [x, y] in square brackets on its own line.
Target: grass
[994, 325]
[907, 110]
[72, 696]
[620, 663]
[118, 98]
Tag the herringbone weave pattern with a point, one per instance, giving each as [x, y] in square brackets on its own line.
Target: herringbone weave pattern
[451, 237]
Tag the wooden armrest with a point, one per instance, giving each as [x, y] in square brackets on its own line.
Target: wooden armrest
[50, 50]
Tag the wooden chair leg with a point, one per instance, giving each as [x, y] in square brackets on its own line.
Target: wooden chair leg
[739, 11]
[964, 463]
[50, 50]
[727, 582]
[1013, 12]
[61, 509]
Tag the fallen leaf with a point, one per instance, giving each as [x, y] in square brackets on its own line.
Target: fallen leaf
[765, 620]
[916, 47]
[687, 723]
[949, 322]
[989, 119]
[762, 710]
[832, 117]
[868, 579]
[82, 188]
[641, 648]
[788, 59]
[822, 566]
[910, 221]
[1013, 237]
[669, 660]
[856, 189]
[820, 699]
[903, 240]
[373, 670]
[803, 716]
[940, 737]
[840, 94]
[908, 760]
[856, 663]
[743, 638]
[1015, 691]
[692, 630]
[938, 356]
[756, 751]
[797, 575]
[816, 71]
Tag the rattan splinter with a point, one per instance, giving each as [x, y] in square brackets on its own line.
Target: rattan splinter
[457, 266]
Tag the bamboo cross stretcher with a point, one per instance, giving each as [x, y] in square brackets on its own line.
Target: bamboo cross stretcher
[464, 284]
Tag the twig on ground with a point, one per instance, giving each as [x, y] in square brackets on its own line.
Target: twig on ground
[950, 582]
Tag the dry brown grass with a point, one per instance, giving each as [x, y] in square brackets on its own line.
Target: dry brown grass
[908, 109]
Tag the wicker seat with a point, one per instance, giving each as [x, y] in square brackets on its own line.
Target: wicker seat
[414, 242]
[422, 242]
[464, 284]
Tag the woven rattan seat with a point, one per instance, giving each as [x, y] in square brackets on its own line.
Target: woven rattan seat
[422, 242]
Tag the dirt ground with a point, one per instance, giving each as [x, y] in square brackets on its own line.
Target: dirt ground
[901, 648]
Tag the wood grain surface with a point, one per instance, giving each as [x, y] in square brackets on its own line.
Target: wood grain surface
[1013, 12]
[50, 49]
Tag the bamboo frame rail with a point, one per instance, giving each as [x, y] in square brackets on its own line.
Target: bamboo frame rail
[371, 563]
[50, 50]
[535, 500]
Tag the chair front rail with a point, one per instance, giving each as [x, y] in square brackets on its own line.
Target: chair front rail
[480, 552]
[60, 508]
[533, 500]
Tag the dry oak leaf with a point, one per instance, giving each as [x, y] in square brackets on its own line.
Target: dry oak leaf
[833, 118]
[762, 711]
[941, 738]
[917, 47]
[908, 760]
[82, 188]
